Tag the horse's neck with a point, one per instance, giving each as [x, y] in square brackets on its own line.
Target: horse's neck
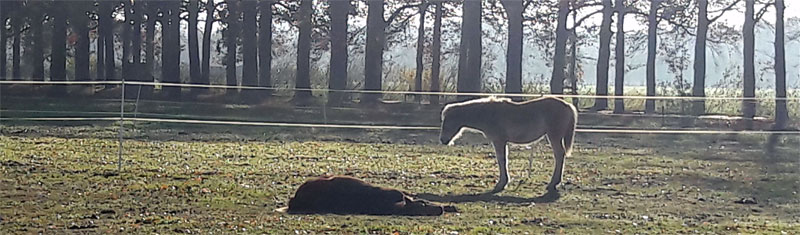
[477, 116]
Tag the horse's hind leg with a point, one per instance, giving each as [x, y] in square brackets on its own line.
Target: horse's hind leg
[559, 152]
[501, 150]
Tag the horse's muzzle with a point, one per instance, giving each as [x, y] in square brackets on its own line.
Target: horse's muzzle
[444, 141]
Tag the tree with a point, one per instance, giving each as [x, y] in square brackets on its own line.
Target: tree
[100, 71]
[265, 45]
[420, 49]
[619, 56]
[781, 112]
[652, 45]
[436, 51]
[514, 9]
[80, 24]
[37, 55]
[376, 38]
[16, 27]
[171, 51]
[136, 42]
[231, 33]
[126, 36]
[603, 56]
[152, 10]
[209, 27]
[559, 58]
[194, 51]
[675, 13]
[703, 22]
[303, 76]
[58, 47]
[748, 32]
[339, 11]
[3, 40]
[250, 49]
[105, 27]
[469, 58]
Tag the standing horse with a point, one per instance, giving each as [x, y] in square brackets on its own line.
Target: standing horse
[503, 121]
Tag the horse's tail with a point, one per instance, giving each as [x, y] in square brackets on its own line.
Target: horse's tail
[569, 136]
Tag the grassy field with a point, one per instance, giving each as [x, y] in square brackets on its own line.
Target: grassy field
[64, 180]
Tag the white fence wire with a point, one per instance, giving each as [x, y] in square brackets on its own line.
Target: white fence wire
[121, 118]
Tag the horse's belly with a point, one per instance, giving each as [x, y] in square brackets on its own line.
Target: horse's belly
[525, 136]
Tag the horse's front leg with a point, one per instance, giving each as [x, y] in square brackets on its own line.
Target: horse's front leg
[501, 151]
[559, 153]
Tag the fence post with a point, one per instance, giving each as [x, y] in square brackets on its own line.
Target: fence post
[121, 125]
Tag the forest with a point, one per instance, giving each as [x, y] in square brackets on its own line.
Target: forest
[243, 43]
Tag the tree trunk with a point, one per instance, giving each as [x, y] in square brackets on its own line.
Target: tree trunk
[436, 52]
[469, 61]
[171, 50]
[373, 64]
[619, 56]
[205, 78]
[37, 56]
[136, 42]
[265, 46]
[100, 59]
[149, 51]
[514, 9]
[250, 50]
[81, 26]
[420, 51]
[194, 50]
[749, 106]
[573, 65]
[231, 33]
[3, 42]
[16, 26]
[339, 58]
[781, 112]
[105, 23]
[557, 77]
[58, 47]
[303, 79]
[652, 46]
[126, 35]
[603, 56]
[699, 86]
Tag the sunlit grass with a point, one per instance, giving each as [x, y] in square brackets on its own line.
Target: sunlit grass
[57, 185]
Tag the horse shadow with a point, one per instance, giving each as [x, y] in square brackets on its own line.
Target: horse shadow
[550, 196]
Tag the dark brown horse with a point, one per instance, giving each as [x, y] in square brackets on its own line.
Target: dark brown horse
[348, 195]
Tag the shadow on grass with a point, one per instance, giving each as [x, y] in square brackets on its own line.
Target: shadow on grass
[550, 196]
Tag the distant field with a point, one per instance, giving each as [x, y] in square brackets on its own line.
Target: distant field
[64, 180]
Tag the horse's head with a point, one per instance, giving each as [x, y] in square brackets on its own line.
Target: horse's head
[413, 207]
[451, 127]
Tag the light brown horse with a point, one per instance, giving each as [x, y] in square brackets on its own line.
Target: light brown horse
[504, 121]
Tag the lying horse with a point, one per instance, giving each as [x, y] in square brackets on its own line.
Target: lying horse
[503, 121]
[347, 195]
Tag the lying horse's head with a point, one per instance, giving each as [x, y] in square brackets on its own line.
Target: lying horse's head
[413, 207]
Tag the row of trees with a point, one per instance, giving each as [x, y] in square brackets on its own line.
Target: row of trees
[248, 25]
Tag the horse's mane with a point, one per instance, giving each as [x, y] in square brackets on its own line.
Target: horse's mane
[484, 100]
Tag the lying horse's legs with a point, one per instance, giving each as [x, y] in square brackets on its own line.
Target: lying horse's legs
[558, 151]
[501, 150]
